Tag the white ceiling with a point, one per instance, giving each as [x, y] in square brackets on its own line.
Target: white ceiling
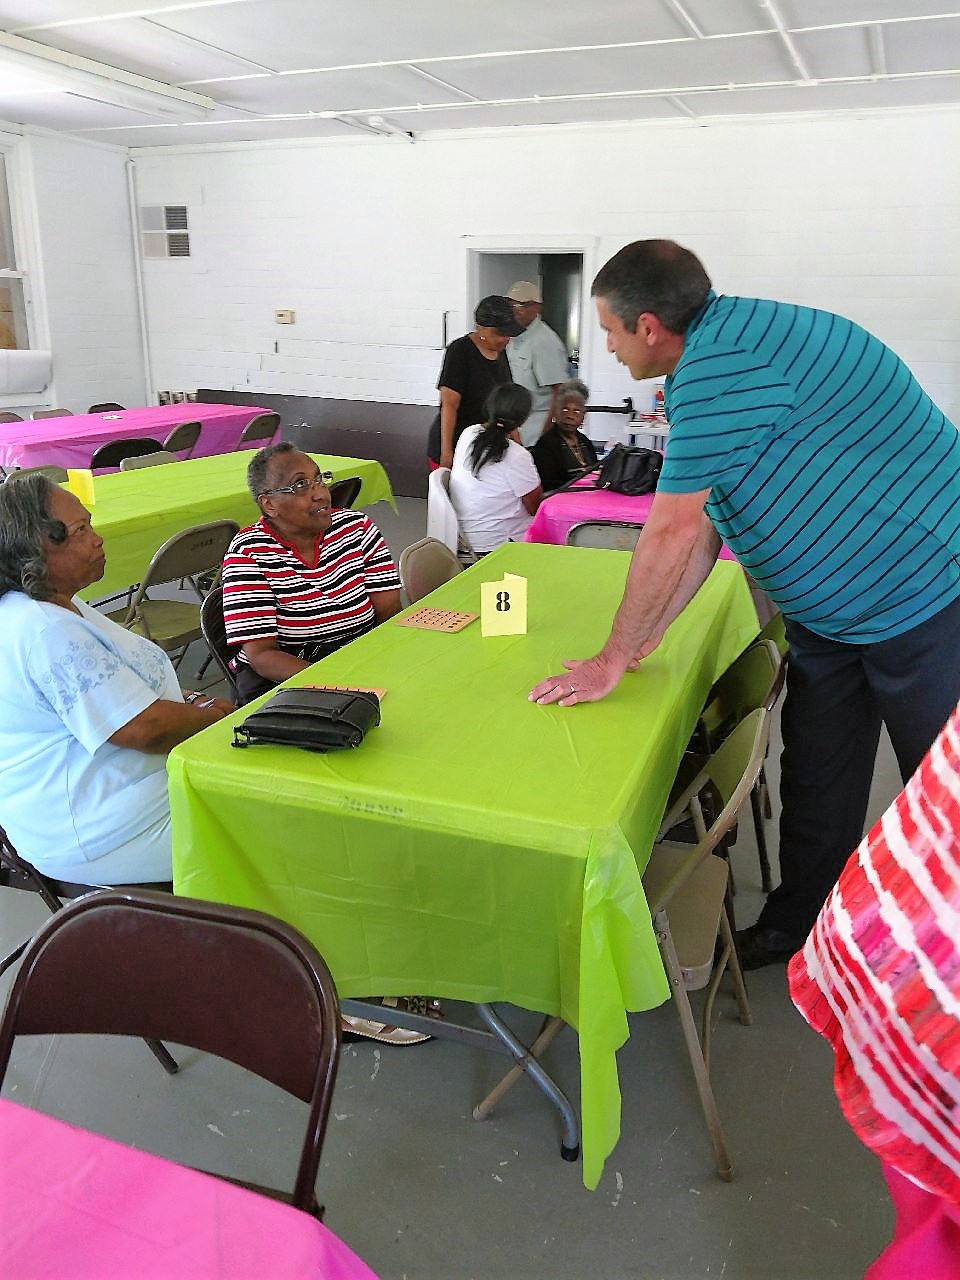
[142, 73]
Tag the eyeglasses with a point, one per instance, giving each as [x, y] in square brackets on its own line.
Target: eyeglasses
[301, 486]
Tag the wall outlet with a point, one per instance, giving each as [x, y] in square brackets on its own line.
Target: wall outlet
[284, 317]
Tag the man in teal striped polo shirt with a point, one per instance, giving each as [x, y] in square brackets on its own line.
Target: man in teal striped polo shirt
[808, 446]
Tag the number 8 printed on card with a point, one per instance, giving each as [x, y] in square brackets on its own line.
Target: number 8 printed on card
[503, 606]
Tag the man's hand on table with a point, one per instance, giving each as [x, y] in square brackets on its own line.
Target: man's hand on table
[587, 680]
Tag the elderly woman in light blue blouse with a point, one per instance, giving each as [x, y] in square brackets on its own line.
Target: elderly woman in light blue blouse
[88, 710]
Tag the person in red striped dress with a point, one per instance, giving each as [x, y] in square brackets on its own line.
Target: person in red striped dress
[879, 978]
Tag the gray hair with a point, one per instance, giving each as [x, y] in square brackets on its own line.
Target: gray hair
[658, 276]
[573, 387]
[260, 465]
[25, 524]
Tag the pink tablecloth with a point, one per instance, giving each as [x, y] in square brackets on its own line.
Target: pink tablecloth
[75, 1204]
[70, 441]
[561, 511]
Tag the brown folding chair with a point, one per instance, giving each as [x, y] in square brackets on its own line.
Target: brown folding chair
[17, 873]
[426, 565]
[175, 624]
[51, 413]
[259, 430]
[344, 493]
[225, 980]
[108, 406]
[113, 452]
[10, 417]
[183, 438]
[215, 634]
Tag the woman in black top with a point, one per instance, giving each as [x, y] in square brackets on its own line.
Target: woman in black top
[563, 452]
[472, 366]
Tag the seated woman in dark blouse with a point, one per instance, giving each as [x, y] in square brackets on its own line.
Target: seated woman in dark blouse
[563, 452]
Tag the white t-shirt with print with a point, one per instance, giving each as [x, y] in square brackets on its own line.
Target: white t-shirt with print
[488, 505]
[69, 798]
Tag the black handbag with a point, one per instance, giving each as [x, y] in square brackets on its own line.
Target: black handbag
[631, 470]
[315, 719]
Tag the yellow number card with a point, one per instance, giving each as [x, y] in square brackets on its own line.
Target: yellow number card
[80, 483]
[503, 606]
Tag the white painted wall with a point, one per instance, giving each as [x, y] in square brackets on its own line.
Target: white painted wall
[75, 245]
[367, 240]
[89, 272]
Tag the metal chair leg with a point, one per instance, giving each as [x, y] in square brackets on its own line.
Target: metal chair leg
[688, 1026]
[740, 986]
[163, 1056]
[757, 806]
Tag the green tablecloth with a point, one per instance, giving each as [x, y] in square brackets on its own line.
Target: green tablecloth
[136, 511]
[477, 846]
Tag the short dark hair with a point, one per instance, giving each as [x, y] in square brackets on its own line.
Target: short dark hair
[25, 523]
[508, 406]
[658, 276]
[260, 465]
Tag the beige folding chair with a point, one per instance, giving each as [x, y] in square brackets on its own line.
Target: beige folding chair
[183, 439]
[10, 417]
[57, 474]
[426, 565]
[613, 535]
[344, 493]
[51, 413]
[148, 460]
[686, 889]
[442, 522]
[259, 430]
[775, 630]
[175, 624]
[754, 680]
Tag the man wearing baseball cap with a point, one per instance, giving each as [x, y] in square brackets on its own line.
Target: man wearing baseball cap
[538, 358]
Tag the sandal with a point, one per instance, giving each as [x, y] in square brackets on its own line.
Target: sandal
[367, 1029]
[422, 1005]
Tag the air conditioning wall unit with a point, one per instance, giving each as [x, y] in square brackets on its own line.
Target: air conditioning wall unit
[165, 231]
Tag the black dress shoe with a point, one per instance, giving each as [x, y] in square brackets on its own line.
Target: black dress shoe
[759, 946]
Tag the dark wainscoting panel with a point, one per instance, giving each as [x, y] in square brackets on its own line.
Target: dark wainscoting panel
[393, 434]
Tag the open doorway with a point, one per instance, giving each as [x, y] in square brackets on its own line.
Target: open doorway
[560, 278]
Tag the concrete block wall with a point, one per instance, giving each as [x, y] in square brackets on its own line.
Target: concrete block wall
[366, 240]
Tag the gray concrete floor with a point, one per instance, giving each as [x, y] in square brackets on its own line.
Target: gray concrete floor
[421, 1191]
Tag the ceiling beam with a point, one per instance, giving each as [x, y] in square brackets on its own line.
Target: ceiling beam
[793, 53]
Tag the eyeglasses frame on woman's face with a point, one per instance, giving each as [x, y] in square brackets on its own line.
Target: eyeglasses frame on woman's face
[324, 478]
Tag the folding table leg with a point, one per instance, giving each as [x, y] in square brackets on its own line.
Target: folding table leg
[548, 1032]
[570, 1142]
[497, 1038]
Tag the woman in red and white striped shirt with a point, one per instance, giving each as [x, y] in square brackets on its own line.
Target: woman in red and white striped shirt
[879, 977]
[305, 579]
